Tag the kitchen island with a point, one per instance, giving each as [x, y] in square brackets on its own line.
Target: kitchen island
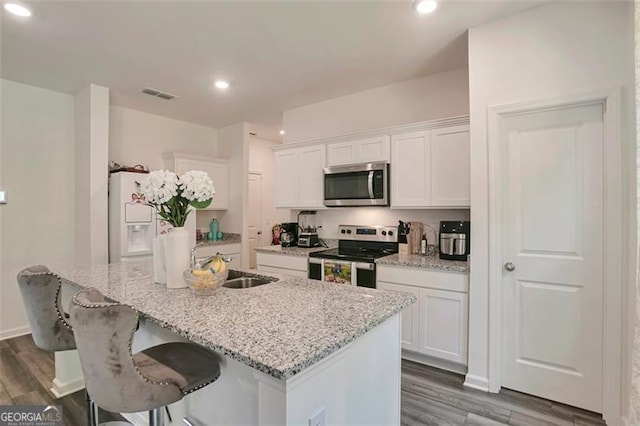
[290, 351]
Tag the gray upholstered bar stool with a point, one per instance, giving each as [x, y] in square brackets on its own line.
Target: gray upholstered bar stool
[50, 329]
[122, 382]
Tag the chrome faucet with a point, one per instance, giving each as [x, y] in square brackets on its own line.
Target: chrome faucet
[209, 259]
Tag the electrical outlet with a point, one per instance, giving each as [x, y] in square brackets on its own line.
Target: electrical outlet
[317, 419]
[3, 197]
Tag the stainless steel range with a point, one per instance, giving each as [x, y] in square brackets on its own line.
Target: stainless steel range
[353, 262]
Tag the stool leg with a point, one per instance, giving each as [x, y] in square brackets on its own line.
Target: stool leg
[156, 417]
[91, 410]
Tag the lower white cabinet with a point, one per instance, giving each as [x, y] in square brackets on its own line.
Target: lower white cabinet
[410, 316]
[437, 324]
[282, 264]
[231, 250]
[443, 324]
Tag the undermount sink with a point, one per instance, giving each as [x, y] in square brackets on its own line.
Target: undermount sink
[246, 282]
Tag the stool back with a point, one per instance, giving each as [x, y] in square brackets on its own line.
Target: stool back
[40, 289]
[104, 333]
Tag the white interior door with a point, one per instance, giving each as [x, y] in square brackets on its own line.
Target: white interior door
[553, 236]
[255, 217]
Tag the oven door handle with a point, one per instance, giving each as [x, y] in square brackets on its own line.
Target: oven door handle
[370, 184]
[365, 266]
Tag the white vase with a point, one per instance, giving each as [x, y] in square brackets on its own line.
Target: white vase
[159, 267]
[177, 257]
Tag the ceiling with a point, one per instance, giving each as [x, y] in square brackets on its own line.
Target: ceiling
[276, 54]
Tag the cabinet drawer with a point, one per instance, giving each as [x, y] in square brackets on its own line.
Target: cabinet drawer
[229, 249]
[268, 269]
[450, 281]
[277, 261]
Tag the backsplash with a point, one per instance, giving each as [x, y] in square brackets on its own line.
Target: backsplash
[331, 218]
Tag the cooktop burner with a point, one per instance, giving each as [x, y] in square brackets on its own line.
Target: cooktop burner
[354, 255]
[361, 244]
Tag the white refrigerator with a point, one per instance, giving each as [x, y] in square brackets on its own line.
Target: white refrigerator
[132, 222]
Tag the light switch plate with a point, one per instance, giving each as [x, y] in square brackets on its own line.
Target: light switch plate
[3, 197]
[317, 419]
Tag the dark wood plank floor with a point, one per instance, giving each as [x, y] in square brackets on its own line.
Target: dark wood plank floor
[26, 373]
[436, 397]
[429, 396]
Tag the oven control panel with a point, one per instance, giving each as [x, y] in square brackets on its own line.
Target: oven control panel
[368, 233]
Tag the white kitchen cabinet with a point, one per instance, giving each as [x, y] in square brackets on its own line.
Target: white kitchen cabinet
[410, 176]
[410, 315]
[282, 264]
[437, 324]
[443, 324]
[431, 168]
[450, 167]
[298, 178]
[231, 250]
[368, 150]
[217, 169]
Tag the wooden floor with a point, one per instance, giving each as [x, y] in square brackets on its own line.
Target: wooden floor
[429, 396]
[436, 397]
[26, 374]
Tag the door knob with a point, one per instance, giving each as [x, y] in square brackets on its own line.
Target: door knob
[509, 266]
[259, 232]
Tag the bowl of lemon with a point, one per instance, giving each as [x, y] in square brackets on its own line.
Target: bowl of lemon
[208, 278]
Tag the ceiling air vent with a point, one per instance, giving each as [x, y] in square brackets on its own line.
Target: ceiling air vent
[157, 93]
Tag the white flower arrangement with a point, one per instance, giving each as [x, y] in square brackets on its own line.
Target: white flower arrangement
[173, 195]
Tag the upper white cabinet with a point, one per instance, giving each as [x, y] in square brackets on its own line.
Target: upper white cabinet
[450, 167]
[299, 179]
[430, 168]
[217, 169]
[410, 176]
[369, 150]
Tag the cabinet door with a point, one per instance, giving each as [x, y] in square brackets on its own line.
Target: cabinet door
[219, 174]
[450, 167]
[410, 315]
[444, 324]
[410, 178]
[311, 161]
[286, 178]
[341, 153]
[373, 150]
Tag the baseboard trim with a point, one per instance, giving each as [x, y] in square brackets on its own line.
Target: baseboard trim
[442, 364]
[60, 389]
[14, 332]
[139, 419]
[477, 382]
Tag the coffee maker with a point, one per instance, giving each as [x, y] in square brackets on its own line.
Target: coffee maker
[455, 240]
[289, 234]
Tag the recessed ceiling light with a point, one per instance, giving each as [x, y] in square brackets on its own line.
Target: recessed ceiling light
[221, 84]
[17, 9]
[425, 6]
[282, 132]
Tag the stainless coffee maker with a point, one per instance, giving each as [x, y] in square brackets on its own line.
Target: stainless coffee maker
[455, 240]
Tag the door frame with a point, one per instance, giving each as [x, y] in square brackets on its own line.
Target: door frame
[616, 226]
[261, 223]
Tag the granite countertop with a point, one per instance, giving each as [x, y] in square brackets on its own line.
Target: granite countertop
[427, 262]
[297, 251]
[280, 328]
[226, 239]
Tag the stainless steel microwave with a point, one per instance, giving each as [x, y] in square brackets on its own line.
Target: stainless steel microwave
[357, 185]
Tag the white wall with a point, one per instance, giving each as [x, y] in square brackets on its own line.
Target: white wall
[434, 96]
[233, 144]
[137, 137]
[37, 170]
[634, 414]
[330, 219]
[552, 50]
[91, 106]
[262, 159]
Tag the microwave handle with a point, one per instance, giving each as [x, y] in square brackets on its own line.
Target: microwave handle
[370, 184]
